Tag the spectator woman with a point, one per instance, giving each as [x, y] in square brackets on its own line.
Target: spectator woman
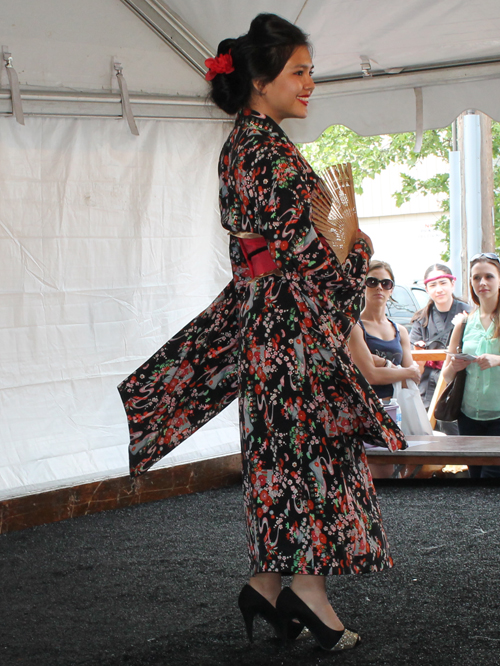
[480, 411]
[432, 328]
[379, 347]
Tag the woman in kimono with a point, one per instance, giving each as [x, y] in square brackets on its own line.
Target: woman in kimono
[277, 337]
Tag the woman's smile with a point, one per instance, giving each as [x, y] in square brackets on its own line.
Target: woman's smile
[304, 99]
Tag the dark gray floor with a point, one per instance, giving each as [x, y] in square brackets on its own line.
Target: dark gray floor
[157, 584]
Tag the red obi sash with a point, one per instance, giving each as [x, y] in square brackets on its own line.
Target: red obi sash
[258, 257]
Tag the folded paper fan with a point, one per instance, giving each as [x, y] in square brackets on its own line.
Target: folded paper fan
[334, 209]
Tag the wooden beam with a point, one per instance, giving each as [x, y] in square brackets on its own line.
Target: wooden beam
[435, 450]
[428, 354]
[18, 513]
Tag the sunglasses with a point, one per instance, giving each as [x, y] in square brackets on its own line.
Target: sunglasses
[487, 255]
[386, 284]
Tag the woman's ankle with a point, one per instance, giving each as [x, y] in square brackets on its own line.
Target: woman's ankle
[315, 597]
[267, 584]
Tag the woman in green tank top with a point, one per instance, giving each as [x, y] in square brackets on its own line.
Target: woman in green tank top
[480, 410]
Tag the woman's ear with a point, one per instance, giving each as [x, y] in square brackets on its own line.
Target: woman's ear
[259, 86]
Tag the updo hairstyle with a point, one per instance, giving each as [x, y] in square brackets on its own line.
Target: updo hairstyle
[260, 54]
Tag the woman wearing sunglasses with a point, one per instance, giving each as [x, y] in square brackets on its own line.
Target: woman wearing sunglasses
[380, 348]
[480, 411]
[432, 328]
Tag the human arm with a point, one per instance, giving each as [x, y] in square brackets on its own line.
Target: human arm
[380, 362]
[407, 360]
[360, 235]
[275, 188]
[452, 364]
[374, 375]
[417, 335]
[486, 361]
[458, 317]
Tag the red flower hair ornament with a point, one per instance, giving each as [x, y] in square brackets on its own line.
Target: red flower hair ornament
[222, 64]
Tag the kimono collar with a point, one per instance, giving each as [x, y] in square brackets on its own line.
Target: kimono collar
[260, 120]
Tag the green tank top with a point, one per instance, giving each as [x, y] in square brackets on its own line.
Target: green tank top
[481, 399]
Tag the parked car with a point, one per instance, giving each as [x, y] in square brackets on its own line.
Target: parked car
[405, 302]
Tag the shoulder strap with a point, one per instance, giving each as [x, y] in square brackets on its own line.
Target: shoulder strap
[394, 326]
[464, 325]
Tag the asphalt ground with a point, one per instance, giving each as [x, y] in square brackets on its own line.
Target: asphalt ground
[157, 584]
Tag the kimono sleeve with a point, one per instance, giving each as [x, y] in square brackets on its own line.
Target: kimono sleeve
[276, 191]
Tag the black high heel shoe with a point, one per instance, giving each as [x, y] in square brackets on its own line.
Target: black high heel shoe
[252, 603]
[290, 606]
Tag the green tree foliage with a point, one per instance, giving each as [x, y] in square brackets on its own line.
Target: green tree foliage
[369, 156]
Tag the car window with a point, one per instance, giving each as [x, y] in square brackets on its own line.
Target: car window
[403, 305]
[421, 296]
[401, 300]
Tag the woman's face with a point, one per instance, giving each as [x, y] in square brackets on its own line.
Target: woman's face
[377, 294]
[440, 289]
[485, 279]
[288, 95]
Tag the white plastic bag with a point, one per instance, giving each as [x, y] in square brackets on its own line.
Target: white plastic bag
[414, 419]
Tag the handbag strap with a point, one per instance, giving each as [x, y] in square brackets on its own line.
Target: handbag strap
[464, 324]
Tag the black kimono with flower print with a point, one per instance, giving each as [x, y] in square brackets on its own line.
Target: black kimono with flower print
[280, 345]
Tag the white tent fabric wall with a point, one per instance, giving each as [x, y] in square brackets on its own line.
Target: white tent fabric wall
[110, 243]
[104, 236]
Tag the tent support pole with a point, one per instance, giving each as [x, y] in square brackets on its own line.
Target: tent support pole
[172, 30]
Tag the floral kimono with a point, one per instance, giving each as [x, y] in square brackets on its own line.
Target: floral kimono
[280, 343]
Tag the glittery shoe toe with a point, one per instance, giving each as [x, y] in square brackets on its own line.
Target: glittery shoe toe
[291, 607]
[348, 640]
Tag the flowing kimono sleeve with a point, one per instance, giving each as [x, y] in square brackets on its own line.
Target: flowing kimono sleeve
[184, 384]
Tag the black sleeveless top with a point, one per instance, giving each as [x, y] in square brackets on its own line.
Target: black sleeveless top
[388, 349]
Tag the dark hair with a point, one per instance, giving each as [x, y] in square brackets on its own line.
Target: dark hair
[260, 54]
[375, 263]
[496, 317]
[437, 267]
[423, 314]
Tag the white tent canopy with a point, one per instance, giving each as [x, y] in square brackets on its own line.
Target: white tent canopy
[64, 54]
[110, 242]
